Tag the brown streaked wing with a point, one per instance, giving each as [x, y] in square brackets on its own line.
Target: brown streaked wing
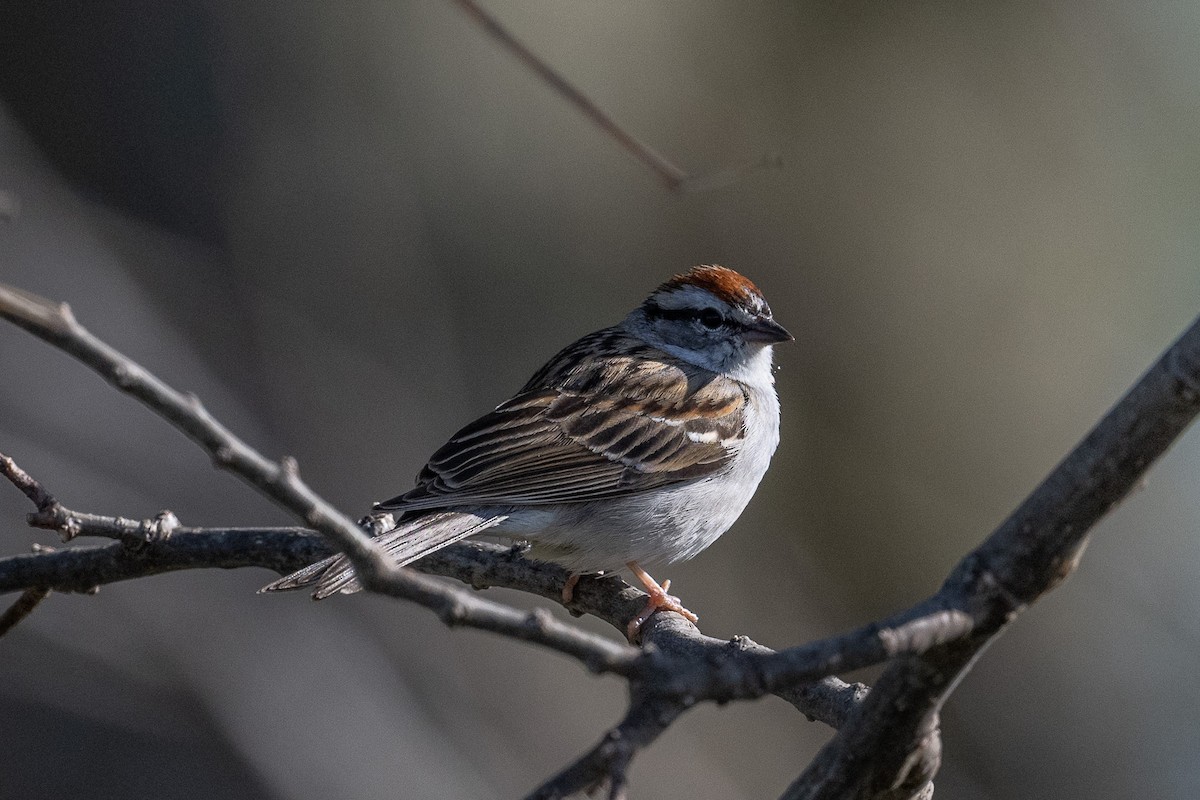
[619, 425]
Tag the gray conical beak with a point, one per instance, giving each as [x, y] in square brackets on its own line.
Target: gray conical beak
[767, 331]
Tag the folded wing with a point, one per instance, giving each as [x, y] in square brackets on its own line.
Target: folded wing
[604, 427]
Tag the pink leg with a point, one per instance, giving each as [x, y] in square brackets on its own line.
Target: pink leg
[659, 599]
[568, 592]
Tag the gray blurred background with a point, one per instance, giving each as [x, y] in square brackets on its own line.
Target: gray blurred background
[351, 227]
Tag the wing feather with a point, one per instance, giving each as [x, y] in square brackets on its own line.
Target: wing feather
[609, 416]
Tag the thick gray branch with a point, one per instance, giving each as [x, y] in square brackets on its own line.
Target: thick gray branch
[890, 747]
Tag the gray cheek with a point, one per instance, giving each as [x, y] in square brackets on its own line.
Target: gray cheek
[729, 352]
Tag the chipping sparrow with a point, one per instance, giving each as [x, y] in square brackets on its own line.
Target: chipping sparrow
[638, 443]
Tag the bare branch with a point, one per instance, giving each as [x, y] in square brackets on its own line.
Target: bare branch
[719, 178]
[478, 564]
[890, 748]
[22, 608]
[42, 500]
[758, 672]
[671, 175]
[29, 486]
[52, 515]
[607, 762]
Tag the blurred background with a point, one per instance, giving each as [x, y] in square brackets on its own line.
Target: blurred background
[352, 227]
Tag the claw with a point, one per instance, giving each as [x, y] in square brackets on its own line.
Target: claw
[659, 600]
[568, 590]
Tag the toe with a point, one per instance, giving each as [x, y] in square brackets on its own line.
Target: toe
[568, 590]
[656, 602]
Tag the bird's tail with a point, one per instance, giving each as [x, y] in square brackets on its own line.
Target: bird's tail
[406, 543]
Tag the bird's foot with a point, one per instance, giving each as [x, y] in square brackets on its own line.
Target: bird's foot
[572, 581]
[568, 590]
[659, 600]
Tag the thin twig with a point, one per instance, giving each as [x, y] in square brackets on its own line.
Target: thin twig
[671, 176]
[674, 178]
[53, 515]
[719, 178]
[29, 485]
[606, 763]
[22, 608]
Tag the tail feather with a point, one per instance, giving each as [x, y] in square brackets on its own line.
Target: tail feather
[300, 578]
[404, 544]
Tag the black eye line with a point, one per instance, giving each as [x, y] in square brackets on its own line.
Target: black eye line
[692, 314]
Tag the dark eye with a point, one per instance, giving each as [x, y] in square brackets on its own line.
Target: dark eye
[711, 319]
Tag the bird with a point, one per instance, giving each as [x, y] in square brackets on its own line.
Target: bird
[640, 443]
